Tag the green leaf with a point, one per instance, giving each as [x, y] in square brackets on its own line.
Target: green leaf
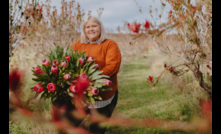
[97, 72]
[89, 94]
[100, 81]
[44, 94]
[70, 93]
[91, 71]
[99, 98]
[92, 66]
[77, 63]
[92, 100]
[97, 85]
[68, 82]
[54, 98]
[99, 77]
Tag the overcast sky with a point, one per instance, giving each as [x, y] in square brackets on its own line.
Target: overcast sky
[116, 12]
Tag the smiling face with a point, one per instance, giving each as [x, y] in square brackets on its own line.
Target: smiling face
[92, 30]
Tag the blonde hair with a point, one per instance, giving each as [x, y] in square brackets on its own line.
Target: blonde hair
[84, 38]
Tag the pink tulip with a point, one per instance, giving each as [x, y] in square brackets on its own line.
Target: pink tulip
[82, 83]
[73, 89]
[67, 76]
[67, 58]
[46, 62]
[96, 66]
[51, 87]
[55, 63]
[90, 59]
[94, 91]
[107, 82]
[82, 76]
[54, 69]
[63, 64]
[37, 70]
[38, 88]
[81, 61]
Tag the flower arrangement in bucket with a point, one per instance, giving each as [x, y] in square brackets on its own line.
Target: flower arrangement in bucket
[65, 74]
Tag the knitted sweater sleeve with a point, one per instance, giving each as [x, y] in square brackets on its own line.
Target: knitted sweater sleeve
[73, 46]
[113, 60]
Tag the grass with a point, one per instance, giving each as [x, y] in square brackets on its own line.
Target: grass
[137, 100]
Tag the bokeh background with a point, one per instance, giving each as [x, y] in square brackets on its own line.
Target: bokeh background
[165, 79]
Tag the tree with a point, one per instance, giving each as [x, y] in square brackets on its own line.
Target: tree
[192, 42]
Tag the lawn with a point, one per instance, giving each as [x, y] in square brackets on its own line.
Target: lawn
[138, 100]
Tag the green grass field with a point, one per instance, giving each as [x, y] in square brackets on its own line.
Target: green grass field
[137, 100]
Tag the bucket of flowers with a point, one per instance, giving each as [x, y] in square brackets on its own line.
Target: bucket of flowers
[66, 74]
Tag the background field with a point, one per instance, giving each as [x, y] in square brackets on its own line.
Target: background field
[173, 98]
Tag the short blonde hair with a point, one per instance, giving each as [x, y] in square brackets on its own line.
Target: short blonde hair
[84, 38]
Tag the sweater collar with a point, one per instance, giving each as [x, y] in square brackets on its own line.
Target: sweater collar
[93, 42]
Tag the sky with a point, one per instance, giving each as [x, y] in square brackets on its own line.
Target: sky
[116, 12]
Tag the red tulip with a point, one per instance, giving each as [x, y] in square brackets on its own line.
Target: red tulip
[55, 63]
[51, 87]
[150, 78]
[73, 88]
[37, 70]
[135, 27]
[81, 61]
[38, 88]
[94, 91]
[54, 69]
[147, 25]
[82, 76]
[67, 58]
[82, 83]
[46, 62]
[63, 64]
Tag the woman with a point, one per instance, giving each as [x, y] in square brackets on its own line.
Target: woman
[107, 55]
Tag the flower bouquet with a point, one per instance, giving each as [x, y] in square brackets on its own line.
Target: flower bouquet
[65, 74]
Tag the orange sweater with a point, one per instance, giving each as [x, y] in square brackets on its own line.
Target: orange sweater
[107, 55]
